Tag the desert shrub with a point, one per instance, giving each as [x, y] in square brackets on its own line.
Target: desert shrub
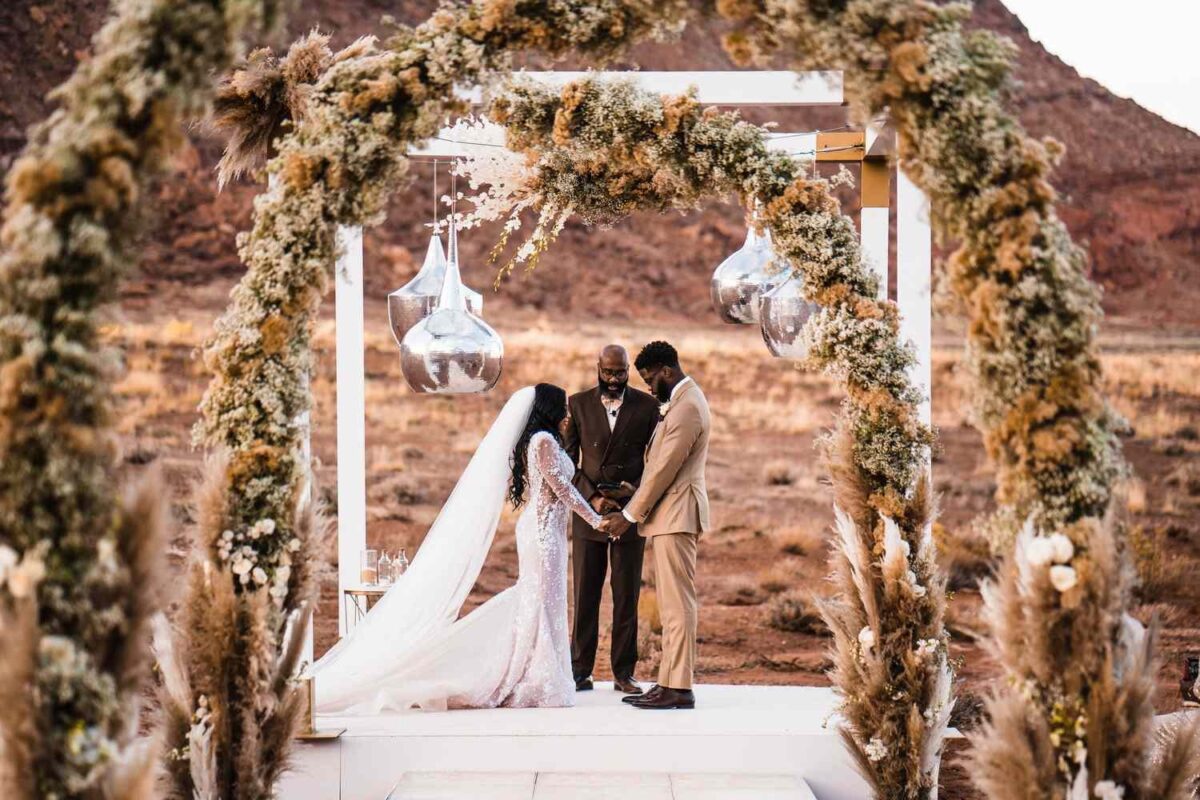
[964, 554]
[779, 473]
[649, 616]
[798, 541]
[795, 612]
[739, 591]
[777, 578]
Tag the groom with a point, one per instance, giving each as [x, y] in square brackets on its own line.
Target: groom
[671, 507]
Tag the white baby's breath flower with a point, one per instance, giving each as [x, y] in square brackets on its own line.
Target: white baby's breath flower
[1063, 578]
[875, 749]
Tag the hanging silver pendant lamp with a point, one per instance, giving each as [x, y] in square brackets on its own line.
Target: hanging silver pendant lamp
[741, 279]
[451, 351]
[419, 297]
[784, 312]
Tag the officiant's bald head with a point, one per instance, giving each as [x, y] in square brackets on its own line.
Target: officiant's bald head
[612, 370]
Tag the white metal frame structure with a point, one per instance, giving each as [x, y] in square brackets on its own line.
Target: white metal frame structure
[871, 147]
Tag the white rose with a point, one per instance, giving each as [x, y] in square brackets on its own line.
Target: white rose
[1063, 549]
[1107, 790]
[242, 567]
[227, 536]
[1039, 551]
[866, 638]
[293, 545]
[268, 526]
[259, 575]
[8, 559]
[282, 574]
[1063, 577]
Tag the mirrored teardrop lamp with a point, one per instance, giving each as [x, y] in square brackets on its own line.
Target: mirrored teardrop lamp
[416, 299]
[783, 313]
[451, 351]
[741, 279]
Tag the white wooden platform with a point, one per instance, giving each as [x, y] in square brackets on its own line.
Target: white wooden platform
[773, 732]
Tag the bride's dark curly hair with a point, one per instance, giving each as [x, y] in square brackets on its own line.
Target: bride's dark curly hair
[549, 409]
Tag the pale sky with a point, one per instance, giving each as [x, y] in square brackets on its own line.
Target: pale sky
[1146, 50]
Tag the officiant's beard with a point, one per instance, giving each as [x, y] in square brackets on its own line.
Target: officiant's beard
[612, 389]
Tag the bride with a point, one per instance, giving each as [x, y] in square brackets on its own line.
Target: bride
[413, 650]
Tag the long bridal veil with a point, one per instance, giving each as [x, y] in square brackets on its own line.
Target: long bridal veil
[411, 649]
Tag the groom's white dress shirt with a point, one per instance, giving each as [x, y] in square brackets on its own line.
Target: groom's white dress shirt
[674, 392]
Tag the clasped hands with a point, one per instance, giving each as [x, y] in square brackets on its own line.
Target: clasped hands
[605, 501]
[614, 525]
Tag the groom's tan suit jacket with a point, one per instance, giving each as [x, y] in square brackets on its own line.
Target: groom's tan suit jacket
[672, 497]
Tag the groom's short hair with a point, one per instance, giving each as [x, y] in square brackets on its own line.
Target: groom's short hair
[657, 354]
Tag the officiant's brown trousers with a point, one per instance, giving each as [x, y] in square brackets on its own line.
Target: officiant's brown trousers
[675, 586]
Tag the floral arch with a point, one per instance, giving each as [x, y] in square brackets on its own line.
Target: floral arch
[1082, 688]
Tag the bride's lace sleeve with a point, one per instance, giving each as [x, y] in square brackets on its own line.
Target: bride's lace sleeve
[557, 473]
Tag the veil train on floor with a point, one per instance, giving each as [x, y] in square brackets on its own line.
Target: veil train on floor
[411, 649]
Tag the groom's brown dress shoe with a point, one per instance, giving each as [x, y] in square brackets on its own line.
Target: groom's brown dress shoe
[627, 686]
[667, 699]
[583, 684]
[633, 698]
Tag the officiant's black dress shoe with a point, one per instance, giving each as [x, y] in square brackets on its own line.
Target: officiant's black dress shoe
[655, 690]
[666, 699]
[583, 684]
[627, 686]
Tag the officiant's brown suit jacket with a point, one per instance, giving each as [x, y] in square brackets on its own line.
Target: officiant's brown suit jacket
[602, 455]
[673, 497]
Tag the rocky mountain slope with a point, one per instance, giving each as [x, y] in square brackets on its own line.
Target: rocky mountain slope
[1129, 183]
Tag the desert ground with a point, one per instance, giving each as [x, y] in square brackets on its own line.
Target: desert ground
[766, 560]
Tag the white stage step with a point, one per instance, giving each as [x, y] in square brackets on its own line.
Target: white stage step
[764, 731]
[597, 786]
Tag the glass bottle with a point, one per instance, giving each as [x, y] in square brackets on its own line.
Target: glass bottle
[400, 565]
[368, 573]
[385, 569]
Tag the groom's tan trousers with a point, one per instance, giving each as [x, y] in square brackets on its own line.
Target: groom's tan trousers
[675, 586]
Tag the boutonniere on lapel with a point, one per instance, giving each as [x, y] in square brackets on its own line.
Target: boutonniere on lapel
[663, 408]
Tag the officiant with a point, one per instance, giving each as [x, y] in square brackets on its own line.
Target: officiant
[607, 434]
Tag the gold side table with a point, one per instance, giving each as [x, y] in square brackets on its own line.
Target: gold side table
[357, 601]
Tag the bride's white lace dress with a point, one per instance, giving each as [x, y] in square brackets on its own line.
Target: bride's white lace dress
[514, 650]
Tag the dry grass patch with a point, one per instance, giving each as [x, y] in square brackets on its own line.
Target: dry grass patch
[778, 578]
[797, 541]
[649, 615]
[737, 590]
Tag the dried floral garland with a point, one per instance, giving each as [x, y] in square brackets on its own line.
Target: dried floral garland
[603, 150]
[1077, 720]
[81, 596]
[337, 167]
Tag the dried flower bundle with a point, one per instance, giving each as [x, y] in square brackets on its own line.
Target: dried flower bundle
[71, 211]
